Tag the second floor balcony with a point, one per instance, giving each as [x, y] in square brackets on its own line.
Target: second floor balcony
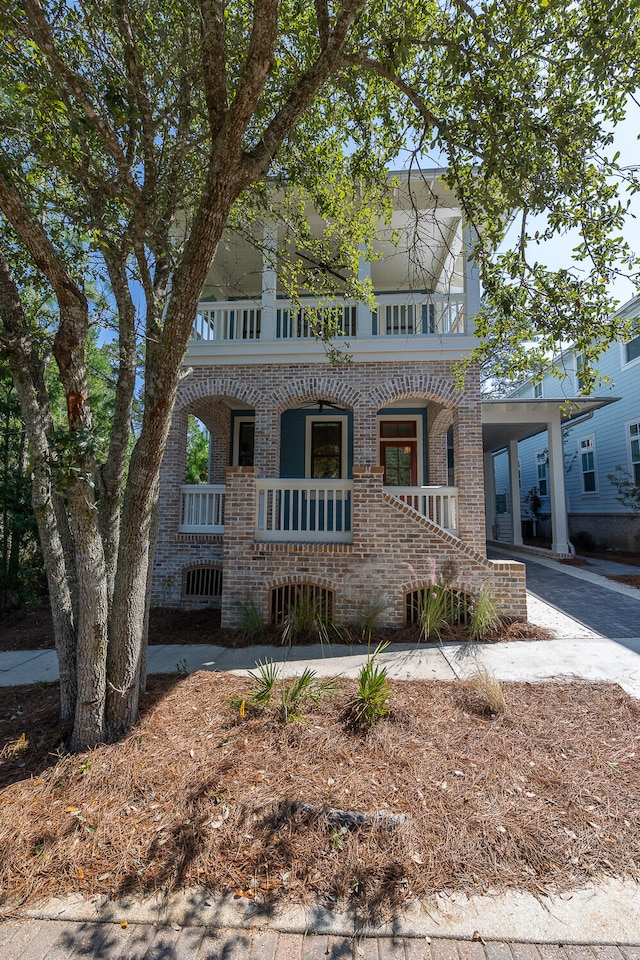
[284, 329]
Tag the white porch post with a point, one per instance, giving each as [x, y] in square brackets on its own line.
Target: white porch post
[514, 483]
[269, 281]
[489, 493]
[559, 528]
[363, 314]
[471, 280]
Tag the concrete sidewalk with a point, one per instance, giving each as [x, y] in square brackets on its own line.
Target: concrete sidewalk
[595, 622]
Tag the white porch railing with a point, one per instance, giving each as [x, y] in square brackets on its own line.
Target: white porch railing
[304, 510]
[202, 508]
[301, 323]
[431, 315]
[438, 504]
[227, 321]
[396, 315]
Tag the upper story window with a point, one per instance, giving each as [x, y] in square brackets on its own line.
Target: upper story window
[632, 350]
[537, 390]
[543, 475]
[588, 464]
[634, 449]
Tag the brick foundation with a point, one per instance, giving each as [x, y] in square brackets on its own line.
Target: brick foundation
[394, 550]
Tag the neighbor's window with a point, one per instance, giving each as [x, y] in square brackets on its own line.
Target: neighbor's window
[588, 465]
[543, 475]
[537, 390]
[632, 349]
[634, 449]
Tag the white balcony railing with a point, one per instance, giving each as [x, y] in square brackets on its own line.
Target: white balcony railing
[202, 508]
[435, 315]
[302, 323]
[438, 504]
[227, 321]
[396, 315]
[304, 510]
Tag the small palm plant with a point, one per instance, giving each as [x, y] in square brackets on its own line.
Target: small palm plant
[264, 679]
[370, 702]
[302, 689]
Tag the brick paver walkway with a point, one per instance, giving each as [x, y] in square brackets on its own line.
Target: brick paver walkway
[63, 940]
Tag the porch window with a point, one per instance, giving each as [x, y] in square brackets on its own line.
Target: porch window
[326, 449]
[634, 449]
[588, 464]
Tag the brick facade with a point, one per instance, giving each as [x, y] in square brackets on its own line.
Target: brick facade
[394, 550]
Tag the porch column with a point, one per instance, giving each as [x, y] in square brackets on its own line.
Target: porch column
[365, 439]
[559, 527]
[469, 479]
[438, 423]
[269, 281]
[266, 453]
[489, 494]
[471, 279]
[514, 484]
[363, 316]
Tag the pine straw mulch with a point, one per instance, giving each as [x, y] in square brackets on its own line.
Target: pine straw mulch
[32, 629]
[543, 798]
[631, 579]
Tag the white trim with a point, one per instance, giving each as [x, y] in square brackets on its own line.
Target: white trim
[584, 439]
[235, 452]
[627, 425]
[624, 363]
[329, 418]
[387, 349]
[400, 417]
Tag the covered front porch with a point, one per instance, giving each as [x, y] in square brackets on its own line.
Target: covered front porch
[307, 511]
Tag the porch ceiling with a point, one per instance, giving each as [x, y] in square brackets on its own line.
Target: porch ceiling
[517, 419]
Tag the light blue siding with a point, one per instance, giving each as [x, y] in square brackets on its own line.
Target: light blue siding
[609, 428]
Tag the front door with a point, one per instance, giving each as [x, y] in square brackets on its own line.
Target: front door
[399, 452]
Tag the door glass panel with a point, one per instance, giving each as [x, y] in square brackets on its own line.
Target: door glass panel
[246, 432]
[326, 450]
[397, 465]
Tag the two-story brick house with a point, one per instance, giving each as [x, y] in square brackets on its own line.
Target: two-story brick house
[362, 480]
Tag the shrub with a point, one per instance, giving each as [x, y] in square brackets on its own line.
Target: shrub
[370, 702]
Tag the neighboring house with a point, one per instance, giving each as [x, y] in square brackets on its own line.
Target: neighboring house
[353, 482]
[595, 445]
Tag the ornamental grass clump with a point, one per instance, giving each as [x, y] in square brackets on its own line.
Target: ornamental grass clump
[434, 613]
[252, 625]
[305, 620]
[482, 694]
[485, 617]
